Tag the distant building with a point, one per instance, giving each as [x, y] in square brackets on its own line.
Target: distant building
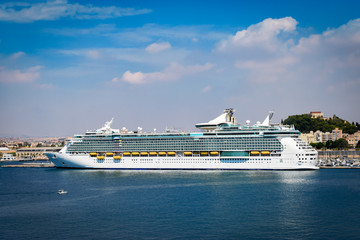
[326, 137]
[322, 137]
[308, 137]
[316, 115]
[336, 134]
[352, 139]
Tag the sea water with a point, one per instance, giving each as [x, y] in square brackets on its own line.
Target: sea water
[103, 204]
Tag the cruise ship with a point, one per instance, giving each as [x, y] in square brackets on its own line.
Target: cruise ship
[220, 144]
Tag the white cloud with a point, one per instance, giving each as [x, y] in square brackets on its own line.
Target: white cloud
[130, 55]
[115, 79]
[158, 47]
[52, 10]
[17, 55]
[174, 72]
[46, 86]
[262, 54]
[93, 54]
[206, 89]
[153, 32]
[263, 34]
[17, 76]
[267, 71]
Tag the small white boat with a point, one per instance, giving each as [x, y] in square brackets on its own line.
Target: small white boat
[62, 191]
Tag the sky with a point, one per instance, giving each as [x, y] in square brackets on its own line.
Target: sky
[69, 66]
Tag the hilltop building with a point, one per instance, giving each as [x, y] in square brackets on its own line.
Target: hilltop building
[317, 115]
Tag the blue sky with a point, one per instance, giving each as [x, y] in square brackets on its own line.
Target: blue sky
[69, 66]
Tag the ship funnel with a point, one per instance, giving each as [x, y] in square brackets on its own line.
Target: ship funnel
[267, 119]
[107, 127]
[225, 118]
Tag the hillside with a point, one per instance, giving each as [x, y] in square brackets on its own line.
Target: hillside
[304, 123]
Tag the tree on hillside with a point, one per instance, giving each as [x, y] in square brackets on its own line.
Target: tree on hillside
[304, 123]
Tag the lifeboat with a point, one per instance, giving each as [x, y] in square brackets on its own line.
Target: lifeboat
[117, 157]
[214, 153]
[162, 153]
[126, 153]
[254, 152]
[153, 153]
[265, 152]
[135, 153]
[93, 154]
[100, 157]
[171, 153]
[187, 153]
[144, 153]
[109, 154]
[204, 153]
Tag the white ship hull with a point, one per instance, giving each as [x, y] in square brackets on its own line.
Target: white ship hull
[179, 163]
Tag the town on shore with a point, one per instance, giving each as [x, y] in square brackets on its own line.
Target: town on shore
[337, 147]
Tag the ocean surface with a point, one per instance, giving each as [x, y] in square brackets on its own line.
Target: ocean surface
[103, 204]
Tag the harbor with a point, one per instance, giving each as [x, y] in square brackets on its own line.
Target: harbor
[107, 204]
[29, 165]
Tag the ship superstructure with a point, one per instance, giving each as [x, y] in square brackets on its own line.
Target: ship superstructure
[223, 144]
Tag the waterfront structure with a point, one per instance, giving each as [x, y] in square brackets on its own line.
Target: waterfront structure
[333, 154]
[8, 157]
[35, 153]
[222, 145]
